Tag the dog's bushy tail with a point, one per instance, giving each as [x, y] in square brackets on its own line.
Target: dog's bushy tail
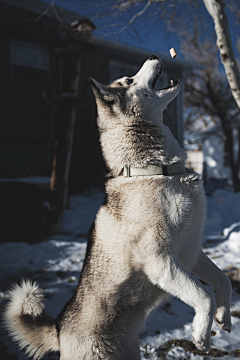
[27, 321]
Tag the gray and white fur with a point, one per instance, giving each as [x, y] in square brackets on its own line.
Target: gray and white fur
[145, 244]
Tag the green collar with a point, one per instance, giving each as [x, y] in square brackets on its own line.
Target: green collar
[166, 170]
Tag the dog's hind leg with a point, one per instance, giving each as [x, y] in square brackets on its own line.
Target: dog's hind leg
[211, 274]
[167, 272]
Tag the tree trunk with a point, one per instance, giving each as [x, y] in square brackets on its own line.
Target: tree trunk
[216, 10]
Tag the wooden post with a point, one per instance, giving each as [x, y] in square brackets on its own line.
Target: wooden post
[63, 144]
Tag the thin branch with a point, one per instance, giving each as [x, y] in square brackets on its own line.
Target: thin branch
[46, 10]
[50, 6]
[135, 16]
[57, 14]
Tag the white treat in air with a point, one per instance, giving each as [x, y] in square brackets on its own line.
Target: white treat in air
[173, 52]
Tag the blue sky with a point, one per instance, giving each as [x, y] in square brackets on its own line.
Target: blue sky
[149, 31]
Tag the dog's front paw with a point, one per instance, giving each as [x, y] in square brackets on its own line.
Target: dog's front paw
[201, 332]
[202, 344]
[223, 301]
[223, 319]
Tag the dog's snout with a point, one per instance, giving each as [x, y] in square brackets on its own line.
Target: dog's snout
[153, 57]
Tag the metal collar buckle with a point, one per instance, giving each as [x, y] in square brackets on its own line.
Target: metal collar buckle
[126, 171]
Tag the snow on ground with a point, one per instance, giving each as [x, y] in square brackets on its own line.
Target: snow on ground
[56, 263]
[223, 211]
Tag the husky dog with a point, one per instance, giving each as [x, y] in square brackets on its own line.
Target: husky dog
[145, 244]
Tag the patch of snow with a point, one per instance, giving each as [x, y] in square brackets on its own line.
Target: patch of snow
[222, 212]
[81, 214]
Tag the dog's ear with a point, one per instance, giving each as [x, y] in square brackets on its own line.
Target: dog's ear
[101, 90]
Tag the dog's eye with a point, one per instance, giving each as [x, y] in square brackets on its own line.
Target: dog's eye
[129, 81]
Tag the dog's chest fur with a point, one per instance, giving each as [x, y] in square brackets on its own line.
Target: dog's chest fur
[150, 211]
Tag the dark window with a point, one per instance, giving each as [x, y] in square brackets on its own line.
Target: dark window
[29, 64]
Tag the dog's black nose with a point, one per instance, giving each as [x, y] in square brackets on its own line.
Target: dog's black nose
[153, 57]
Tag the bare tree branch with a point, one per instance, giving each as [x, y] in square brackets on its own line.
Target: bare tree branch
[131, 21]
[50, 6]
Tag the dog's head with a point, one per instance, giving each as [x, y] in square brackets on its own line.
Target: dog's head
[136, 97]
[130, 119]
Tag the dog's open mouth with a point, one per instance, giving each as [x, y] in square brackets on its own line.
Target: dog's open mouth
[156, 78]
[172, 85]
